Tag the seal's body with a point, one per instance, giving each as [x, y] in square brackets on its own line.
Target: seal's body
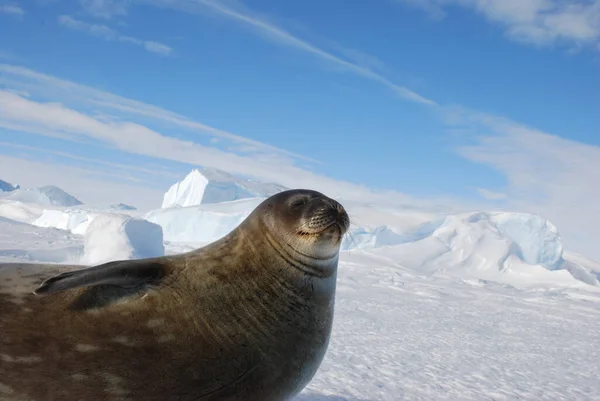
[247, 317]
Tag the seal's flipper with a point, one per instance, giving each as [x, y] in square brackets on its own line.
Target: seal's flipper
[124, 274]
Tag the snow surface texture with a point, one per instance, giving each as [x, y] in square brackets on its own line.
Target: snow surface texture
[48, 196]
[213, 186]
[23, 242]
[402, 335]
[74, 220]
[118, 237]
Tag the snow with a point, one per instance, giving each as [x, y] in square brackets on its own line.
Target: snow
[19, 211]
[518, 249]
[213, 186]
[118, 237]
[471, 306]
[74, 220]
[24, 242]
[397, 336]
[47, 195]
[536, 238]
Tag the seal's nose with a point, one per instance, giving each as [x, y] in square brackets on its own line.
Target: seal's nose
[342, 217]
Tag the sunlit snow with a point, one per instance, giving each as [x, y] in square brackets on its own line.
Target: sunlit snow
[485, 305]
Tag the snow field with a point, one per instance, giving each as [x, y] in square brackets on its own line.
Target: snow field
[470, 306]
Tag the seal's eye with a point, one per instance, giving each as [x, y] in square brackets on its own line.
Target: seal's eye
[299, 203]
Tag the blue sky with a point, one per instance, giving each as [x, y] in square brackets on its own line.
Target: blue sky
[463, 103]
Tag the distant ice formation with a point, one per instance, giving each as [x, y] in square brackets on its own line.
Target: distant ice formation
[74, 220]
[47, 196]
[214, 186]
[122, 206]
[202, 223]
[118, 237]
[7, 187]
[512, 248]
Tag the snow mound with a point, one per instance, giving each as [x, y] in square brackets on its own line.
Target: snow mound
[7, 186]
[48, 196]
[518, 249]
[74, 220]
[385, 236]
[202, 223]
[119, 237]
[214, 186]
[19, 211]
[535, 239]
[511, 248]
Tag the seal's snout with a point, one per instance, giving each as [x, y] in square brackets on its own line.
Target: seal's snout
[341, 216]
[328, 214]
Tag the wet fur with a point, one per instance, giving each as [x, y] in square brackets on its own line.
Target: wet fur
[231, 321]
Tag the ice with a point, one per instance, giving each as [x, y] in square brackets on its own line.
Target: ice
[7, 186]
[510, 248]
[536, 239]
[47, 195]
[202, 223]
[74, 220]
[118, 237]
[213, 186]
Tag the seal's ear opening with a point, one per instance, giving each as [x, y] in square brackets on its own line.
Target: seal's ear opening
[127, 274]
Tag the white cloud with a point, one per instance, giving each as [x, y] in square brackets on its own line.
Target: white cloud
[278, 34]
[546, 174]
[539, 22]
[104, 32]
[56, 119]
[33, 82]
[105, 9]
[12, 9]
[154, 171]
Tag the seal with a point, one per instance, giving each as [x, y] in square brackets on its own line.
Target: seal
[247, 317]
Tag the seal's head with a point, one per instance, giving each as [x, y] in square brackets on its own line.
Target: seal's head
[306, 222]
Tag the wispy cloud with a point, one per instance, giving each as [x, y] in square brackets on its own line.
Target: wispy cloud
[285, 38]
[56, 119]
[92, 161]
[24, 79]
[538, 22]
[105, 9]
[546, 174]
[12, 9]
[104, 32]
